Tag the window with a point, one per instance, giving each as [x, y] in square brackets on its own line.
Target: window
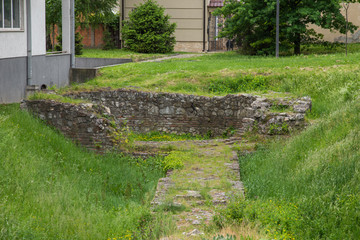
[10, 14]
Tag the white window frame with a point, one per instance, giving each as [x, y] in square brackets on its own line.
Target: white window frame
[21, 17]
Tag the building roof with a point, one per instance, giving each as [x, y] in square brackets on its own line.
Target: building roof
[216, 3]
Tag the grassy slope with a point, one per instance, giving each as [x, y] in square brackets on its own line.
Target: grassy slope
[306, 187]
[201, 75]
[51, 189]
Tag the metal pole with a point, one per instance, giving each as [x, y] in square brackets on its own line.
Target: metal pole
[204, 26]
[277, 26]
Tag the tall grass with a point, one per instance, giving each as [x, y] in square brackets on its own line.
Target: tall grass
[52, 189]
[307, 187]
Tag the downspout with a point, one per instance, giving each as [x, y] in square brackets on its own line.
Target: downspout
[29, 43]
[208, 32]
[204, 27]
[72, 41]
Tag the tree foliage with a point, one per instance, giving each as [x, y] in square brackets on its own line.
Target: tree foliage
[252, 23]
[149, 29]
[86, 11]
[111, 33]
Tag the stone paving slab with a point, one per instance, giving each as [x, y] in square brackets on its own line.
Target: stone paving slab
[206, 183]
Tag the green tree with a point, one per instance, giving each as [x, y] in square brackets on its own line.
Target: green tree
[111, 33]
[252, 22]
[87, 13]
[53, 18]
[94, 12]
[149, 29]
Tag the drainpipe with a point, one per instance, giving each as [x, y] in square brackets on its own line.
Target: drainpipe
[204, 27]
[29, 43]
[72, 41]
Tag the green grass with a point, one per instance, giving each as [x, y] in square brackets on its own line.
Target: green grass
[52, 189]
[56, 97]
[160, 137]
[220, 74]
[120, 53]
[305, 187]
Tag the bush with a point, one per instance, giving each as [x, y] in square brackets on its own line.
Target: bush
[149, 30]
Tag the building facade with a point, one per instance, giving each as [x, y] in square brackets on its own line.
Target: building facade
[193, 19]
[24, 64]
[335, 36]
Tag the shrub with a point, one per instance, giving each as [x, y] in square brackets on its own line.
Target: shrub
[149, 30]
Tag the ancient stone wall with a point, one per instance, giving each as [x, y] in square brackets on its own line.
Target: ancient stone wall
[179, 113]
[98, 125]
[82, 123]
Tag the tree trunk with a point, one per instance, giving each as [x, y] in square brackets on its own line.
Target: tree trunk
[297, 43]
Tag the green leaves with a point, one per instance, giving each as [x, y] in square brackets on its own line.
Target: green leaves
[252, 22]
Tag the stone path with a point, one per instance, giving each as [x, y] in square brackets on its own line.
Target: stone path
[175, 57]
[208, 181]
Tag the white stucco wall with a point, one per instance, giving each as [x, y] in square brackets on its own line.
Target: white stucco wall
[14, 43]
[38, 27]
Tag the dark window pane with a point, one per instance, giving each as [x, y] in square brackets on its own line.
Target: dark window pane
[16, 14]
[7, 13]
[1, 14]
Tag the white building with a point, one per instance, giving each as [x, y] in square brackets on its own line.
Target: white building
[24, 63]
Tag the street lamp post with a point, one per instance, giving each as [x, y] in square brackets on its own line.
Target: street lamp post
[277, 26]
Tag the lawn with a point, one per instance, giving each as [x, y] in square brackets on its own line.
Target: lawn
[120, 53]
